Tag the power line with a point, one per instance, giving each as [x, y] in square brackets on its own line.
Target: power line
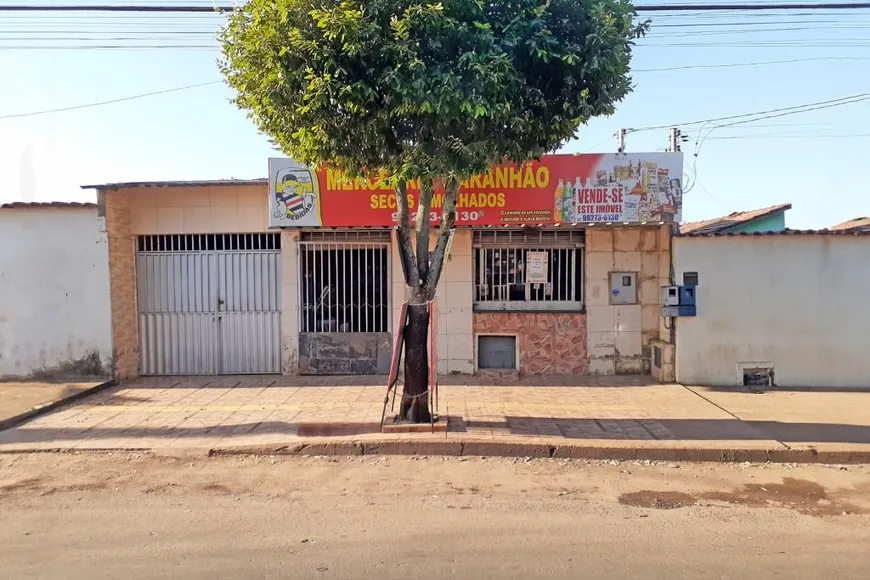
[760, 63]
[825, 136]
[749, 7]
[130, 98]
[768, 114]
[639, 8]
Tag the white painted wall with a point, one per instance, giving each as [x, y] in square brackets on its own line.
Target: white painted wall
[54, 288]
[799, 302]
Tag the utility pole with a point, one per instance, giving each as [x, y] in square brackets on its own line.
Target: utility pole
[676, 137]
[620, 141]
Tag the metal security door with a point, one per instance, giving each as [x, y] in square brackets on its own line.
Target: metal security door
[209, 304]
[248, 311]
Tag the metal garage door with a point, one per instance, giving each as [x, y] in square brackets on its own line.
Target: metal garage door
[209, 304]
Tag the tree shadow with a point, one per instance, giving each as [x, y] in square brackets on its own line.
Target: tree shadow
[23, 434]
[668, 429]
[761, 390]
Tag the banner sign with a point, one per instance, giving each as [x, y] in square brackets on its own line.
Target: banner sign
[618, 187]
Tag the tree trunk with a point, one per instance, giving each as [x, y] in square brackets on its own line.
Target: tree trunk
[422, 275]
[415, 396]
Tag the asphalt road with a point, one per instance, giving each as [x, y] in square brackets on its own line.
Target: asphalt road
[128, 516]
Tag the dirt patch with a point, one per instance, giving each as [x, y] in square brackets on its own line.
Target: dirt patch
[77, 487]
[29, 484]
[216, 488]
[41, 486]
[659, 500]
[90, 365]
[806, 497]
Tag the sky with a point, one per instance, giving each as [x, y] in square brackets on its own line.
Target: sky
[691, 67]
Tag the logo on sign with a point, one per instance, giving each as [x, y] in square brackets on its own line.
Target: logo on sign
[296, 191]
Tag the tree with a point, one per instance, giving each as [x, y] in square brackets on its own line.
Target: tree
[434, 91]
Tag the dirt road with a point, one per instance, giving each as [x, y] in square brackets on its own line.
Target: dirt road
[129, 516]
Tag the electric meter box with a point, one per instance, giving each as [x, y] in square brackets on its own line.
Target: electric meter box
[670, 295]
[623, 287]
[679, 301]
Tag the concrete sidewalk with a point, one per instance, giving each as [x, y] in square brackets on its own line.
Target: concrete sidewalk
[606, 417]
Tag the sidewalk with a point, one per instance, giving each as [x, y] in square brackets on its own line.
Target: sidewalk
[600, 417]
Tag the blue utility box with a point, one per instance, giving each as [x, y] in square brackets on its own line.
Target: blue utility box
[687, 295]
[679, 301]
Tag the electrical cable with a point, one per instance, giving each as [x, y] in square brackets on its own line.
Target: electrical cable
[99, 103]
[788, 110]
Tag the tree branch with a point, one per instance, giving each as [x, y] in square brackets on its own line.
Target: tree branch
[448, 220]
[406, 250]
[425, 205]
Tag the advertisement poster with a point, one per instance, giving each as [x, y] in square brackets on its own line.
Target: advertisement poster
[594, 188]
[537, 267]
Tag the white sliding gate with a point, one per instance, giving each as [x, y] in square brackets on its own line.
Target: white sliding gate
[209, 304]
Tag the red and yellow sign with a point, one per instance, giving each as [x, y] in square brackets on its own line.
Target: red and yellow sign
[556, 189]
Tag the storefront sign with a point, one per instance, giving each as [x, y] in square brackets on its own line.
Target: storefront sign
[537, 267]
[630, 187]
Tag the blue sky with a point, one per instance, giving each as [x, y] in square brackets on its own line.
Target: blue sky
[815, 160]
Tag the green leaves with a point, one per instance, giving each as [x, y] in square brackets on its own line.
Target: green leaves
[424, 88]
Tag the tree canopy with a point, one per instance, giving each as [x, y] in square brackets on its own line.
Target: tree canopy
[426, 89]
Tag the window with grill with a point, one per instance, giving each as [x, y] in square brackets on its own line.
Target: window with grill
[344, 284]
[208, 242]
[528, 270]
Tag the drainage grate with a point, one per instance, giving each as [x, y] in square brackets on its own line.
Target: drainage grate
[758, 377]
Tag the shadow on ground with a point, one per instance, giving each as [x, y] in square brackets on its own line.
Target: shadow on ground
[615, 429]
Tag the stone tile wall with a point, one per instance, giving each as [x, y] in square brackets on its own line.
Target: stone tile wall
[620, 337]
[548, 343]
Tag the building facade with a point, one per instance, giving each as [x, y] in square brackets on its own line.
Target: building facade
[232, 277]
[785, 308]
[54, 291]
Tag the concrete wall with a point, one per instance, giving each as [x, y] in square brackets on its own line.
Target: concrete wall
[798, 303]
[198, 210]
[54, 292]
[455, 337]
[620, 337]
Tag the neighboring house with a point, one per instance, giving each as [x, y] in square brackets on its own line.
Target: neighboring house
[861, 224]
[789, 305]
[768, 219]
[54, 291]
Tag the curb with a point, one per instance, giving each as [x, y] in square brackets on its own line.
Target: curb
[48, 407]
[550, 451]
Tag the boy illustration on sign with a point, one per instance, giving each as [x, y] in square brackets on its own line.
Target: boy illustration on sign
[295, 193]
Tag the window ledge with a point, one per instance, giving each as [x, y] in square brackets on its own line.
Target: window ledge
[530, 310]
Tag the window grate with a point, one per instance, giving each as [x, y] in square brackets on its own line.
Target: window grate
[347, 236]
[530, 237]
[344, 286]
[502, 261]
[208, 242]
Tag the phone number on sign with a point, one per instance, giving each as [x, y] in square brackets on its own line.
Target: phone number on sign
[463, 216]
[600, 217]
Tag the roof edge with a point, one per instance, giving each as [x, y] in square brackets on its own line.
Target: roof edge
[194, 183]
[785, 232]
[760, 213]
[48, 204]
